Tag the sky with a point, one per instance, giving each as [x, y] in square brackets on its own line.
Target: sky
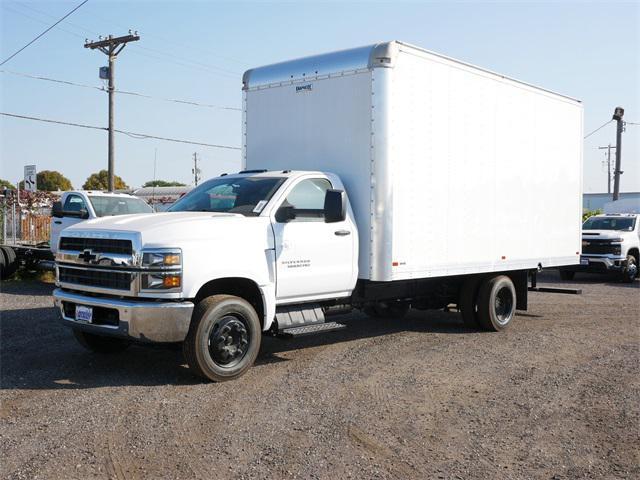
[197, 51]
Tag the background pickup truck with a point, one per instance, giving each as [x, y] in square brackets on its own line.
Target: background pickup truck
[610, 243]
[373, 179]
[72, 208]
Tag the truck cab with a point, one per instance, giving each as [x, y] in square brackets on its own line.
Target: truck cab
[610, 243]
[80, 205]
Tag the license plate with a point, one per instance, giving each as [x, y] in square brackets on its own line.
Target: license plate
[584, 261]
[84, 314]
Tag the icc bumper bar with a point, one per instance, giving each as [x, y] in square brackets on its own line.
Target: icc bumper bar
[144, 321]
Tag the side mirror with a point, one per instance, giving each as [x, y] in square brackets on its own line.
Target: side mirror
[335, 206]
[56, 210]
[285, 213]
[84, 214]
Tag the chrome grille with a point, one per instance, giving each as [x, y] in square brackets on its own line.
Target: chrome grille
[95, 278]
[102, 245]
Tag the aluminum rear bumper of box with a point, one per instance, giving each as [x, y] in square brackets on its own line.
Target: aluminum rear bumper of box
[141, 320]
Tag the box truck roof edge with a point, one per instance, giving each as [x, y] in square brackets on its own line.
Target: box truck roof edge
[378, 55]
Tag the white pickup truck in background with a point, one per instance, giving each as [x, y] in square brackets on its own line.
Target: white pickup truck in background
[82, 205]
[610, 242]
[381, 178]
[73, 207]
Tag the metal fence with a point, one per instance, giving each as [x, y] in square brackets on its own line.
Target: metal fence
[22, 226]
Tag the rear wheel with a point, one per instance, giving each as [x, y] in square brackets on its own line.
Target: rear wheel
[10, 262]
[630, 272]
[100, 343]
[224, 338]
[387, 309]
[496, 303]
[567, 274]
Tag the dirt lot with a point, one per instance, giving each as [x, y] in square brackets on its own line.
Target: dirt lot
[555, 397]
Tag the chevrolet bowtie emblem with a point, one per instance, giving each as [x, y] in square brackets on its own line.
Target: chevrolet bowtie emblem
[87, 256]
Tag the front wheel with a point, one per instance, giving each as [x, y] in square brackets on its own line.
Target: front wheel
[496, 303]
[630, 272]
[100, 343]
[224, 338]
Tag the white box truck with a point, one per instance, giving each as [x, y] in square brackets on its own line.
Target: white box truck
[380, 178]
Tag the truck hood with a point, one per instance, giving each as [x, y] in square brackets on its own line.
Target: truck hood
[170, 228]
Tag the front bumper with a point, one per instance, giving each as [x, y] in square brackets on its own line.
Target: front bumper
[600, 263]
[146, 321]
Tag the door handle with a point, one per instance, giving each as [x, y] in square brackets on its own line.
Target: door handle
[342, 233]
[58, 222]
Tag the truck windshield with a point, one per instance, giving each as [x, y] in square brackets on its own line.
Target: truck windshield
[107, 206]
[244, 195]
[609, 223]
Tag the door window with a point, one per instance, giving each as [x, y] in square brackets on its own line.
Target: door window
[307, 199]
[74, 203]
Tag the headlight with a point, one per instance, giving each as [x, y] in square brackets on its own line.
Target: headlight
[617, 240]
[161, 259]
[161, 270]
[161, 281]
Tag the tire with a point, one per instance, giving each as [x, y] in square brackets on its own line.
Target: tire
[467, 304]
[100, 343]
[496, 303]
[388, 309]
[567, 274]
[224, 338]
[10, 262]
[11, 259]
[630, 273]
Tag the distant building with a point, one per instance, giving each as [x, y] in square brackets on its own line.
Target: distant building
[596, 201]
[161, 198]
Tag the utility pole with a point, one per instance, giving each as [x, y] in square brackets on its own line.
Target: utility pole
[195, 170]
[608, 147]
[111, 46]
[617, 116]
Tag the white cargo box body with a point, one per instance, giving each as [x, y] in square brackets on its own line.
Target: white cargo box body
[450, 169]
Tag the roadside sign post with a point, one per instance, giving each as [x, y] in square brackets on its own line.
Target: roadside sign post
[30, 184]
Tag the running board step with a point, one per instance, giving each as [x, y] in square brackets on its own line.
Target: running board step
[310, 329]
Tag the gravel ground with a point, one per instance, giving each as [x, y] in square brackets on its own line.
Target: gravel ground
[554, 397]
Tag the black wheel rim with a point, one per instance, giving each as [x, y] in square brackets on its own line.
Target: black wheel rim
[632, 269]
[503, 306]
[229, 340]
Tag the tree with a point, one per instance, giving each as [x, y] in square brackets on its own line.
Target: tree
[6, 184]
[162, 183]
[100, 181]
[50, 181]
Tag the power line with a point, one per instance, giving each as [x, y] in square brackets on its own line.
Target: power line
[139, 136]
[600, 127]
[60, 122]
[111, 22]
[35, 39]
[164, 56]
[124, 92]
